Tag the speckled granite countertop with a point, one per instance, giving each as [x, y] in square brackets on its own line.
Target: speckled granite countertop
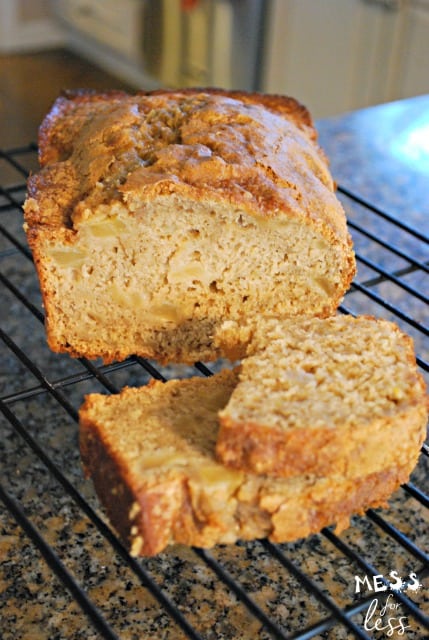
[381, 154]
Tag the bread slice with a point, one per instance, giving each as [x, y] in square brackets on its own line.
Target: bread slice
[341, 395]
[151, 454]
[157, 216]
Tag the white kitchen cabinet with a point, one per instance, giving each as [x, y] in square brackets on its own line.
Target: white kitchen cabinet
[412, 77]
[26, 25]
[339, 55]
[117, 25]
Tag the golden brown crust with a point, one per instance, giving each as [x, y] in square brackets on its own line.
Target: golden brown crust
[55, 141]
[104, 138]
[339, 503]
[253, 448]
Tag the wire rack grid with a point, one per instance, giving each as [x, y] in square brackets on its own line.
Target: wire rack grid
[65, 574]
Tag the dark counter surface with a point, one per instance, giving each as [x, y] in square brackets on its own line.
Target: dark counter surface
[382, 154]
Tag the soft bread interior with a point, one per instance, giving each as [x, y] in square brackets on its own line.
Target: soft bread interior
[162, 279]
[322, 396]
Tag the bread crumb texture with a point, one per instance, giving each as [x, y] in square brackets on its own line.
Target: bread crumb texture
[151, 453]
[322, 396]
[155, 217]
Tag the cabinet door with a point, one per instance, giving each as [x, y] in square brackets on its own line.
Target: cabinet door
[333, 55]
[413, 62]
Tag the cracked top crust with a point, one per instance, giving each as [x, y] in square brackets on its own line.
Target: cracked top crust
[256, 151]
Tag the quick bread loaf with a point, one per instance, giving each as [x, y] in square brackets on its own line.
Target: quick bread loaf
[341, 396]
[197, 224]
[150, 452]
[157, 216]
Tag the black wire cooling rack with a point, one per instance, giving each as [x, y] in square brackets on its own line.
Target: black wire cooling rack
[64, 574]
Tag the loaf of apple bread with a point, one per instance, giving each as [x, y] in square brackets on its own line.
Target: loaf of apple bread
[157, 216]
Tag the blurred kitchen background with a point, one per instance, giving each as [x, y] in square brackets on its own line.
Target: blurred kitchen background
[333, 55]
